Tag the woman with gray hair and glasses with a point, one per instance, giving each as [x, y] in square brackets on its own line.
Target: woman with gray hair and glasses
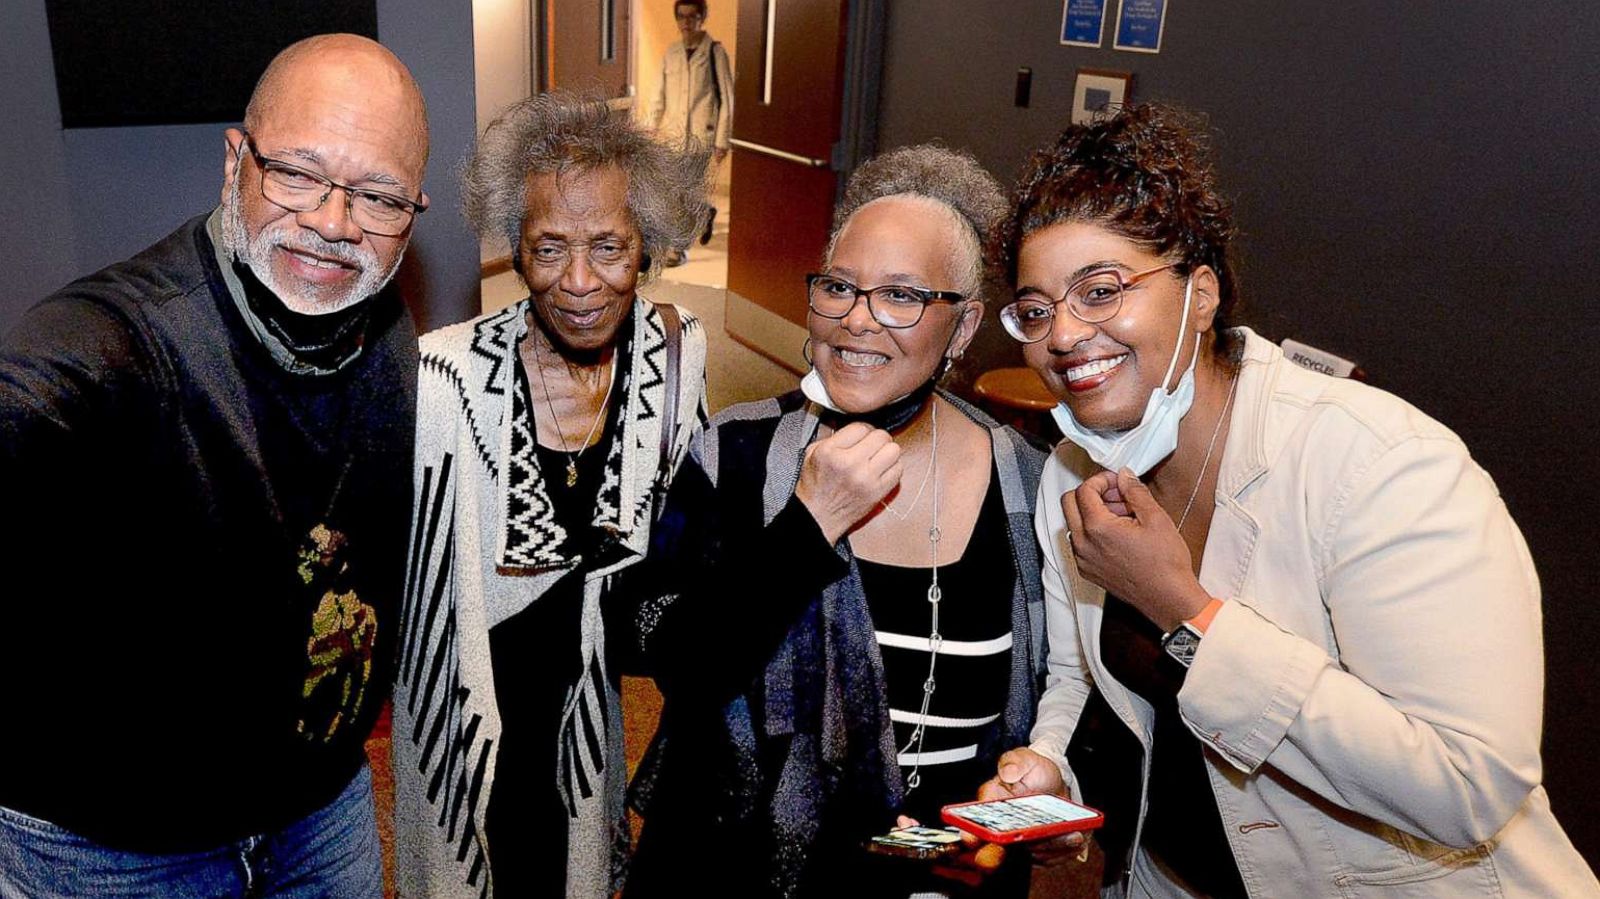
[546, 435]
[848, 622]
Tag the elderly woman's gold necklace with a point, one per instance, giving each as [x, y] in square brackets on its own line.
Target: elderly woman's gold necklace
[572, 457]
[935, 640]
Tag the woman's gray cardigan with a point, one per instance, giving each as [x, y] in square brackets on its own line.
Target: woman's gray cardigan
[776, 727]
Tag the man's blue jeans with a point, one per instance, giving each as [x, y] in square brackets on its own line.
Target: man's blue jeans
[330, 854]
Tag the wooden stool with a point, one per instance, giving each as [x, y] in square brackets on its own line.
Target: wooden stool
[1018, 398]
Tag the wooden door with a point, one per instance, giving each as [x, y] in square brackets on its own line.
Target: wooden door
[584, 46]
[790, 150]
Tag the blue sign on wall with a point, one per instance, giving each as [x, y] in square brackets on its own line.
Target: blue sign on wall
[1083, 22]
[1139, 25]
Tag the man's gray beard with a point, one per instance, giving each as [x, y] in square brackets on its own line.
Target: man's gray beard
[257, 254]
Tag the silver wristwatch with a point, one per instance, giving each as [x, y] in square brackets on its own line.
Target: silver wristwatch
[1182, 643]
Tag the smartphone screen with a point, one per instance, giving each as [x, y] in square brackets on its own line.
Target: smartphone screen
[1021, 818]
[917, 842]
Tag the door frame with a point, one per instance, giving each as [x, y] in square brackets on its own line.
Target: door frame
[748, 322]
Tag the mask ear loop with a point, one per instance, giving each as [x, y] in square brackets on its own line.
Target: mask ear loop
[1177, 348]
[805, 353]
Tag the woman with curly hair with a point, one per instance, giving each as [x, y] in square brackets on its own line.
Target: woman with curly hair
[546, 434]
[844, 612]
[1298, 593]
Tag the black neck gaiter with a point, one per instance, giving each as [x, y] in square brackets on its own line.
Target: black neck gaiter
[325, 342]
[891, 417]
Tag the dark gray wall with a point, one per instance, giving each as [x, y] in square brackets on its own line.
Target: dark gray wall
[1417, 186]
[36, 239]
[77, 200]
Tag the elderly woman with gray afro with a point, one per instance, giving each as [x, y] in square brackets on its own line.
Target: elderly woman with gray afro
[547, 433]
[842, 606]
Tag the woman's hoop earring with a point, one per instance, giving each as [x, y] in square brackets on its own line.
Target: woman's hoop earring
[805, 353]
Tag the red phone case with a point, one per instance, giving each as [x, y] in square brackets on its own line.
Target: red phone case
[1003, 812]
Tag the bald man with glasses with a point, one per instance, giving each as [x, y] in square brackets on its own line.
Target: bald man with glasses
[205, 454]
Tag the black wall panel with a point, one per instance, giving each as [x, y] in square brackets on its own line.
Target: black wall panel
[168, 62]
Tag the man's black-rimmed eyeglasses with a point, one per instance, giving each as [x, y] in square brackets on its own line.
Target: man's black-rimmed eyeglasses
[302, 190]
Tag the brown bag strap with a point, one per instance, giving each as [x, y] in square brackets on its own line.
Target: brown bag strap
[672, 325]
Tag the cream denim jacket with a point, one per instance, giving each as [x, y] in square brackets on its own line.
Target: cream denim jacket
[1370, 692]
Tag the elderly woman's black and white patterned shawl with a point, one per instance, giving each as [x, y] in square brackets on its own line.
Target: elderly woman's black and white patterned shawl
[485, 544]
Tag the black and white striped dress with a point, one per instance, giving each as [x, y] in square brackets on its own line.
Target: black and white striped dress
[972, 675]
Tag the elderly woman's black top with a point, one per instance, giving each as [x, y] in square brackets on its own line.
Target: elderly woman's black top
[534, 655]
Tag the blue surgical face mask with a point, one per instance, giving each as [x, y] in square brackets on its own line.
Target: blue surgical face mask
[1154, 438]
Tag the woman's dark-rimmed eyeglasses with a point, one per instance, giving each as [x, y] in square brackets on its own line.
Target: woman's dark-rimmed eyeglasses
[890, 305]
[302, 190]
[1094, 298]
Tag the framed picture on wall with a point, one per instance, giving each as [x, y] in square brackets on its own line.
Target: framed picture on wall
[1098, 89]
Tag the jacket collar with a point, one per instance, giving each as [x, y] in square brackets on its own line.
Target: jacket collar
[1251, 442]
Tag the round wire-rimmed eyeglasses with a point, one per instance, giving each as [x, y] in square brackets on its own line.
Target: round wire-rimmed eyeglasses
[1093, 298]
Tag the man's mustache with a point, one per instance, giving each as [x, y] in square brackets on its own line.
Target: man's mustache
[310, 242]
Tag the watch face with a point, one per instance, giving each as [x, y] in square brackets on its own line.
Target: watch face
[1182, 644]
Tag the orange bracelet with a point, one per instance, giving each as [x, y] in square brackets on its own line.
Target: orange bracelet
[1203, 620]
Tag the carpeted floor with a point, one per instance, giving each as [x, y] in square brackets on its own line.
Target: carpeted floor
[734, 372]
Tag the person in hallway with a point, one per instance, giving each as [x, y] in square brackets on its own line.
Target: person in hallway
[694, 106]
[842, 604]
[547, 434]
[205, 454]
[1299, 594]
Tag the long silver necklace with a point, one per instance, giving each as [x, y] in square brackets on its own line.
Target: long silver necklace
[1206, 462]
[914, 779]
[572, 457]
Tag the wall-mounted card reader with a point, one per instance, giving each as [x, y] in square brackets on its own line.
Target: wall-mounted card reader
[1024, 87]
